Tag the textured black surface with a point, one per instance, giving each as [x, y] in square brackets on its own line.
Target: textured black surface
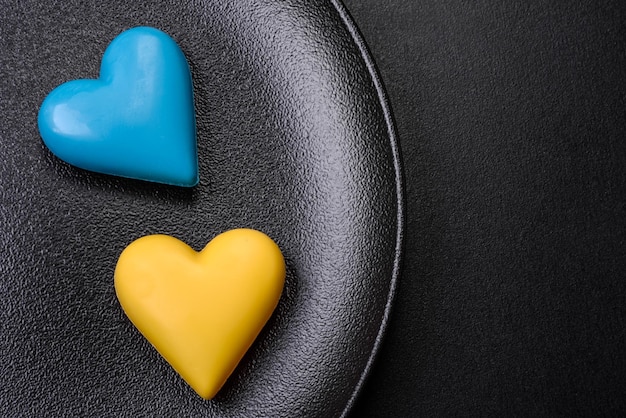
[511, 117]
[293, 140]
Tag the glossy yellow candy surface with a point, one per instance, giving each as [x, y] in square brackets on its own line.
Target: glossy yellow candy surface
[201, 310]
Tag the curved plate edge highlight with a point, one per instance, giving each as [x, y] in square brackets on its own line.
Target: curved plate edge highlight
[397, 162]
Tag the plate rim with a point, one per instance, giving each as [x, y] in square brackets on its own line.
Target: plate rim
[383, 99]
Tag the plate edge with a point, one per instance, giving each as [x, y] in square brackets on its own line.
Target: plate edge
[356, 35]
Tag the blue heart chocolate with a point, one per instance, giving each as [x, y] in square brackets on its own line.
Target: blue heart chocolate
[137, 120]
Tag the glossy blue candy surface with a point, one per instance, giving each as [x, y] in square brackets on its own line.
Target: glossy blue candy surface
[137, 120]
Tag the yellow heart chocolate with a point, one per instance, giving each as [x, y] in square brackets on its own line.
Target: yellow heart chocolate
[201, 310]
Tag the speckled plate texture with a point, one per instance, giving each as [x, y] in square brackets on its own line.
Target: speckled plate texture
[295, 139]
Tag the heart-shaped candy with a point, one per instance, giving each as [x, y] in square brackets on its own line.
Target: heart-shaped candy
[137, 120]
[201, 311]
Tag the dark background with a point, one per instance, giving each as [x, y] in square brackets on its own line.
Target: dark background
[512, 119]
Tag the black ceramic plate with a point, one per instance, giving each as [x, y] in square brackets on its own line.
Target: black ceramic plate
[295, 139]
